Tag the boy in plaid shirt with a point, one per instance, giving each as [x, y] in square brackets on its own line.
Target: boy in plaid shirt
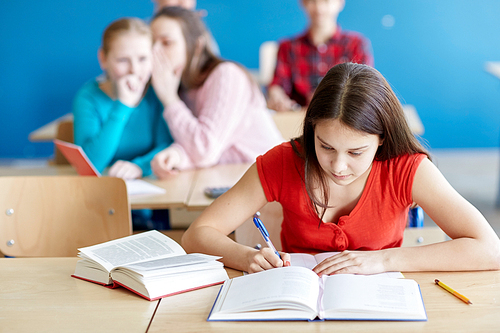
[303, 60]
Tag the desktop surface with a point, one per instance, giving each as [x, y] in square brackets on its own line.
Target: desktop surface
[39, 294]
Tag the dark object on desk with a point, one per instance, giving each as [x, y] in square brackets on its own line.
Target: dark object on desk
[215, 192]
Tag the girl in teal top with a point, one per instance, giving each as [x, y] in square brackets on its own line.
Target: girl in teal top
[117, 117]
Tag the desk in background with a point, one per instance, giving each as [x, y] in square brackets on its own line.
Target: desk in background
[178, 187]
[216, 176]
[48, 131]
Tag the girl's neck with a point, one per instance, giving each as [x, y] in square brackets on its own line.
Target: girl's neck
[343, 199]
[321, 33]
[108, 88]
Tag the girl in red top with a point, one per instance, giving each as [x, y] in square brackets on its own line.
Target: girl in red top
[346, 185]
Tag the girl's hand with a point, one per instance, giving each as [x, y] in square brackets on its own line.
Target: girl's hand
[265, 259]
[355, 262]
[125, 170]
[165, 162]
[279, 101]
[165, 78]
[129, 90]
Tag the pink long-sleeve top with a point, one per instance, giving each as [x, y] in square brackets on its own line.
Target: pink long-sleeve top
[223, 121]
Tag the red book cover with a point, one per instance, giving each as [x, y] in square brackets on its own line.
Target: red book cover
[117, 284]
[77, 158]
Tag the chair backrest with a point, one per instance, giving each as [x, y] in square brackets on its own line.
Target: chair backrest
[64, 133]
[267, 61]
[53, 216]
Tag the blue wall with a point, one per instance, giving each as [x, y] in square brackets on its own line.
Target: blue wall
[433, 56]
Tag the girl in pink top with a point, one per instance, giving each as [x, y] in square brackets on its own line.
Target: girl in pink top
[346, 185]
[216, 112]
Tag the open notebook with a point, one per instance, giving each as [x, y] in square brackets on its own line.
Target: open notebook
[84, 167]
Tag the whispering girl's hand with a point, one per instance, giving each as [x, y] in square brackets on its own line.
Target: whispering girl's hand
[165, 78]
[165, 162]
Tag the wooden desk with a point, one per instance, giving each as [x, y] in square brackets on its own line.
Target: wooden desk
[217, 176]
[188, 312]
[178, 187]
[39, 294]
[48, 132]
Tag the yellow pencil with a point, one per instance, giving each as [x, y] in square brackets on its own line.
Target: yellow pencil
[453, 292]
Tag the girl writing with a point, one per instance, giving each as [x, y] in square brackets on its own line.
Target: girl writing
[117, 118]
[346, 185]
[216, 113]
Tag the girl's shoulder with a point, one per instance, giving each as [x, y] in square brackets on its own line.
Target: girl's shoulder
[285, 153]
[227, 69]
[91, 89]
[401, 165]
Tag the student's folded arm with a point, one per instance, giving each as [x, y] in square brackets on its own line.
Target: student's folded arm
[208, 233]
[474, 245]
[224, 96]
[99, 138]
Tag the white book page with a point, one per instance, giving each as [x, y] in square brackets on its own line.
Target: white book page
[144, 246]
[171, 265]
[350, 294]
[286, 287]
[139, 186]
[310, 261]
[302, 260]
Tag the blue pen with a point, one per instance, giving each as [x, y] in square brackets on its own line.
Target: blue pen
[264, 233]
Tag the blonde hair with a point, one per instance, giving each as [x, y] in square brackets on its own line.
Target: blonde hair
[123, 25]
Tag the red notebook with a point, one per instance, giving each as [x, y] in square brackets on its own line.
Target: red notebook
[84, 167]
[77, 158]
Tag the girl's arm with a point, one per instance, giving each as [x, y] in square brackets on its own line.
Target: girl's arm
[224, 99]
[208, 233]
[474, 244]
[98, 139]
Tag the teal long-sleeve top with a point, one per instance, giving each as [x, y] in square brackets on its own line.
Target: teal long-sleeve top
[109, 131]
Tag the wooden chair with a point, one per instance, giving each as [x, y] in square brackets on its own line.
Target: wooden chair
[53, 216]
[64, 133]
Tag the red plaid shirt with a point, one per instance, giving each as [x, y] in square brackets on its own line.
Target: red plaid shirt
[301, 65]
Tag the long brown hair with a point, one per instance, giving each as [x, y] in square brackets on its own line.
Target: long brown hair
[360, 98]
[200, 62]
